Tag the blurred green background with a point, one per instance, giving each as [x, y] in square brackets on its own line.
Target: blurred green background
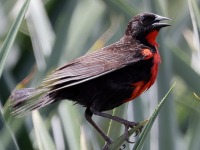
[56, 31]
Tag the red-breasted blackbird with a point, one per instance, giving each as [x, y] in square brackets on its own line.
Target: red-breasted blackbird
[104, 79]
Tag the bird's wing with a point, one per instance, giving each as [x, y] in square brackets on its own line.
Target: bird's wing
[93, 65]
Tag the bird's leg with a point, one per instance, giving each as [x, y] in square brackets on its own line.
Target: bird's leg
[126, 134]
[126, 123]
[88, 116]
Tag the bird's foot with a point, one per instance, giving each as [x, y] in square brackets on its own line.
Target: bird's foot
[131, 125]
[108, 142]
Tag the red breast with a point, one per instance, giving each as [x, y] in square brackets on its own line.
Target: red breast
[141, 86]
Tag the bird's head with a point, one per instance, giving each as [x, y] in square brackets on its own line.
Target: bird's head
[145, 27]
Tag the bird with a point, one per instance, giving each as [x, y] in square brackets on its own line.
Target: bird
[104, 79]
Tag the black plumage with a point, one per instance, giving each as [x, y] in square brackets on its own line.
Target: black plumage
[104, 79]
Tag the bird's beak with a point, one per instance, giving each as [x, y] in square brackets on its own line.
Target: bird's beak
[157, 24]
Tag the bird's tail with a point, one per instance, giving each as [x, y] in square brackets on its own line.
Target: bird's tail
[28, 99]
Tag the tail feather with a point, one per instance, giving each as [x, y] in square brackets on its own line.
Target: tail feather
[28, 99]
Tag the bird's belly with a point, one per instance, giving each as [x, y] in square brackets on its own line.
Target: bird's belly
[138, 89]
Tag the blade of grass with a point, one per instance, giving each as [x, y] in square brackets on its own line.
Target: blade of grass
[70, 119]
[60, 41]
[138, 145]
[195, 54]
[92, 11]
[44, 140]
[194, 24]
[180, 58]
[57, 132]
[6, 47]
[196, 10]
[8, 134]
[41, 32]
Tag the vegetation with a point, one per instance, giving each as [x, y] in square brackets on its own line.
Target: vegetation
[54, 32]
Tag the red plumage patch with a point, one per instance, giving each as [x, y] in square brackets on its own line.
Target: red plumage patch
[147, 53]
[151, 37]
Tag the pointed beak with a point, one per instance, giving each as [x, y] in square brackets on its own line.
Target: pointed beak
[157, 24]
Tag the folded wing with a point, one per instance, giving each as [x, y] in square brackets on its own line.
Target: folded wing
[93, 65]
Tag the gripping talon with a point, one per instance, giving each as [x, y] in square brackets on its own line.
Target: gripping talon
[126, 134]
[107, 144]
[139, 130]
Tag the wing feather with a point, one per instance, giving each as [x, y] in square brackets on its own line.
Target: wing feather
[93, 65]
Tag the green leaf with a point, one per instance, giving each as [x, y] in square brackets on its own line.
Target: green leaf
[191, 3]
[7, 137]
[6, 47]
[44, 139]
[138, 145]
[70, 119]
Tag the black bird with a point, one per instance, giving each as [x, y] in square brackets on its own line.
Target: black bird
[104, 79]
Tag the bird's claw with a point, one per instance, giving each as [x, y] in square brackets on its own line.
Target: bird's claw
[131, 125]
[138, 131]
[108, 142]
[126, 134]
